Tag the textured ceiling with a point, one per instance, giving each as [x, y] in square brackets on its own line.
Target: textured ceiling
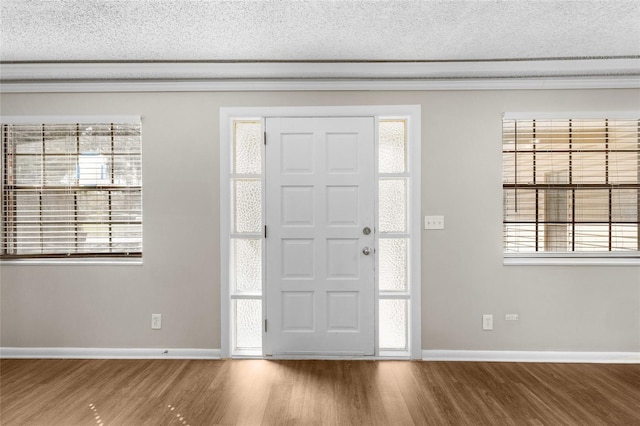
[86, 30]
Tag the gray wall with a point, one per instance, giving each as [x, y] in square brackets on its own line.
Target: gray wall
[584, 308]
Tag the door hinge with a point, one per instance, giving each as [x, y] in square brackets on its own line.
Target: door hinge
[265, 326]
[264, 138]
[265, 231]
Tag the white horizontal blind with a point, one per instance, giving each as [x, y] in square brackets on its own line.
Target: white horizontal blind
[71, 190]
[571, 185]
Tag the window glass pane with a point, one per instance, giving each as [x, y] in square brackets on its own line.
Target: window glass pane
[392, 255]
[27, 207]
[248, 321]
[247, 205]
[127, 169]
[588, 167]
[392, 208]
[247, 147]
[96, 238]
[94, 138]
[624, 237]
[93, 206]
[520, 238]
[28, 170]
[126, 206]
[548, 134]
[591, 237]
[126, 237]
[57, 207]
[589, 135]
[246, 258]
[623, 135]
[28, 140]
[60, 170]
[123, 139]
[27, 239]
[549, 168]
[623, 167]
[591, 205]
[392, 147]
[624, 205]
[393, 324]
[58, 238]
[60, 139]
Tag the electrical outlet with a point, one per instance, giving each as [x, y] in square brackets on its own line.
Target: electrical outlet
[511, 317]
[434, 222]
[487, 322]
[156, 321]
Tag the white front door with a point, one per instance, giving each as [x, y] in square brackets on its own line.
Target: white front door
[320, 291]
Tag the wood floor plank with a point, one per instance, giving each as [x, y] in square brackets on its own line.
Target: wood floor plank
[264, 392]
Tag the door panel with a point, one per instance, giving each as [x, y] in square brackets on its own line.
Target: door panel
[319, 197]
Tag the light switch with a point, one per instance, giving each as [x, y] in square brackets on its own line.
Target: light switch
[434, 222]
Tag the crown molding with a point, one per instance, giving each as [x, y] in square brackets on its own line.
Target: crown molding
[18, 77]
[319, 85]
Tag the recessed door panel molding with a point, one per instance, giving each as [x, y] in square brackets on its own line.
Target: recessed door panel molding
[342, 152]
[297, 205]
[298, 260]
[342, 205]
[343, 311]
[298, 311]
[343, 258]
[297, 153]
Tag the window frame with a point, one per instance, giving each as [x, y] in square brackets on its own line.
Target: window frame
[135, 258]
[571, 258]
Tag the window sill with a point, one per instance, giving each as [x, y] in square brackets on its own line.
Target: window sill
[62, 261]
[548, 260]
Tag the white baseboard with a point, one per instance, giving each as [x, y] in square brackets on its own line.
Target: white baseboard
[533, 356]
[109, 353]
[427, 355]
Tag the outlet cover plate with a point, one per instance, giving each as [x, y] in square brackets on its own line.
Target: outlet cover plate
[156, 321]
[487, 322]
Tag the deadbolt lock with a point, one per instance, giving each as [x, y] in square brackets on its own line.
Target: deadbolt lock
[366, 230]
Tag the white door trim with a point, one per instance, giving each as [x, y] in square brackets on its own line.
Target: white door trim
[412, 113]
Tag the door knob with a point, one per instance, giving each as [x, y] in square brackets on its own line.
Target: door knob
[366, 251]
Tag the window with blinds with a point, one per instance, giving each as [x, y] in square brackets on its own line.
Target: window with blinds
[71, 190]
[571, 186]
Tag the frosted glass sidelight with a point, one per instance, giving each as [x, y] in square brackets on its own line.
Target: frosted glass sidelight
[247, 143]
[392, 255]
[393, 324]
[248, 320]
[246, 256]
[392, 147]
[247, 205]
[392, 208]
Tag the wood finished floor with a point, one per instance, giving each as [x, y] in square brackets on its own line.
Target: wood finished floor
[255, 392]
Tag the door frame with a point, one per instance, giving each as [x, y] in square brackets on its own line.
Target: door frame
[412, 115]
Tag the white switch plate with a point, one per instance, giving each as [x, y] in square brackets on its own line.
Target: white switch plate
[511, 317]
[156, 321]
[434, 222]
[487, 322]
